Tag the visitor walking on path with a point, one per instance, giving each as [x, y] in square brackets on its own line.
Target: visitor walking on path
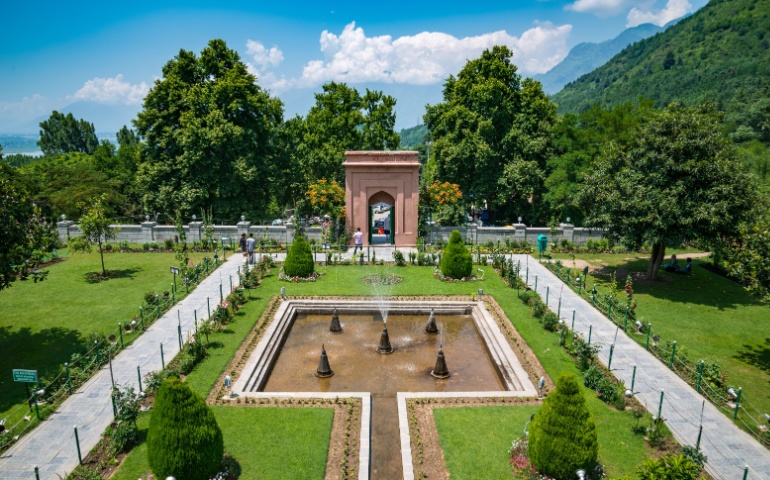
[358, 239]
[250, 247]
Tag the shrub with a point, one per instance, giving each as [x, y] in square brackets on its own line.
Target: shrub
[123, 245]
[398, 256]
[151, 297]
[695, 454]
[562, 436]
[592, 376]
[299, 260]
[184, 440]
[528, 296]
[456, 262]
[538, 308]
[168, 243]
[669, 467]
[550, 321]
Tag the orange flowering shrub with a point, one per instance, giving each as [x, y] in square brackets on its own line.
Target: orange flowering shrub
[443, 193]
[329, 196]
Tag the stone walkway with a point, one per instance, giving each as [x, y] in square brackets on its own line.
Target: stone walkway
[51, 446]
[730, 450]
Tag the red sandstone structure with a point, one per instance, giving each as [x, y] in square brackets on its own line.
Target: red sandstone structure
[391, 177]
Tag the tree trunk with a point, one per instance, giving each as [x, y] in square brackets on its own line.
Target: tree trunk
[656, 258]
[101, 254]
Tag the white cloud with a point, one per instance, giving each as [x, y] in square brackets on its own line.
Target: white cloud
[601, 8]
[263, 57]
[421, 59]
[112, 91]
[673, 10]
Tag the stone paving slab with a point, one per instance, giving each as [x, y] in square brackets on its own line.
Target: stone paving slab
[729, 449]
[51, 446]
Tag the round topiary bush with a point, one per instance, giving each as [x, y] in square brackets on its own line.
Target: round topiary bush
[562, 436]
[457, 261]
[184, 440]
[299, 260]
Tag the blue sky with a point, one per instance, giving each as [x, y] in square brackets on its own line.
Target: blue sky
[104, 56]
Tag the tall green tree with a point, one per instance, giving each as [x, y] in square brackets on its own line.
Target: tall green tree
[95, 224]
[208, 133]
[63, 133]
[491, 133]
[679, 180]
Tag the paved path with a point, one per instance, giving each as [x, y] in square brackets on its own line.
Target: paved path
[51, 446]
[729, 449]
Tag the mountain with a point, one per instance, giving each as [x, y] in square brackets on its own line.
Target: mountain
[585, 57]
[720, 54]
[106, 118]
[413, 136]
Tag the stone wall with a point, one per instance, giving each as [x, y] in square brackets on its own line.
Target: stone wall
[148, 232]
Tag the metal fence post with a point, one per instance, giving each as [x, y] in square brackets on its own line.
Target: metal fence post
[609, 363]
[660, 406]
[625, 321]
[208, 306]
[162, 359]
[69, 383]
[139, 377]
[77, 443]
[737, 403]
[673, 353]
[590, 330]
[120, 331]
[700, 376]
[649, 329]
[573, 320]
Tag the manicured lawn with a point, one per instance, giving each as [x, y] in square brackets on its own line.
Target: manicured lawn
[709, 316]
[43, 324]
[270, 442]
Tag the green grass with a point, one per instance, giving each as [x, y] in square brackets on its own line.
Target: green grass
[268, 442]
[708, 315]
[43, 324]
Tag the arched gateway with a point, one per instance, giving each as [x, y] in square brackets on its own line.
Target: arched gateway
[382, 195]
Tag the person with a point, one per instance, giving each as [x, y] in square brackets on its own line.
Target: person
[358, 239]
[687, 268]
[381, 230]
[250, 248]
[242, 243]
[673, 265]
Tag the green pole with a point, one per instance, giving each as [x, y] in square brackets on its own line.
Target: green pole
[120, 330]
[157, 311]
[231, 284]
[745, 472]
[69, 383]
[114, 407]
[700, 376]
[697, 443]
[315, 254]
[558, 309]
[195, 315]
[547, 293]
[98, 360]
[141, 316]
[526, 279]
[649, 329]
[573, 320]
[77, 443]
[609, 309]
[162, 359]
[37, 410]
[208, 306]
[673, 353]
[139, 377]
[660, 405]
[179, 334]
[625, 321]
[186, 284]
[221, 297]
[173, 295]
[593, 296]
[37, 473]
[633, 378]
[737, 403]
[141, 320]
[609, 362]
[590, 330]
[535, 283]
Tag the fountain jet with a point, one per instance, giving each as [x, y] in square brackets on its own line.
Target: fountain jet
[384, 346]
[440, 371]
[431, 326]
[323, 370]
[335, 326]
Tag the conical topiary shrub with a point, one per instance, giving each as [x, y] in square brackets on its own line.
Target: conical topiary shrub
[456, 262]
[299, 260]
[184, 440]
[562, 436]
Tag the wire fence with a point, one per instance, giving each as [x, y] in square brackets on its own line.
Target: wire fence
[48, 393]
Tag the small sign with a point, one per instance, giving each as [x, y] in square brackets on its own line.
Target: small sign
[175, 270]
[27, 376]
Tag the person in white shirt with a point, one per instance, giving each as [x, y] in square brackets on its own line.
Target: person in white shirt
[358, 239]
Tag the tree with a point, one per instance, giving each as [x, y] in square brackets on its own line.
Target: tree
[491, 131]
[208, 131]
[24, 235]
[749, 259]
[184, 440]
[96, 227]
[562, 436]
[456, 261]
[63, 134]
[678, 180]
[299, 260]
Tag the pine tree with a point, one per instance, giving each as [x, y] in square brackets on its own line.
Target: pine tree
[299, 260]
[562, 436]
[456, 262]
[184, 440]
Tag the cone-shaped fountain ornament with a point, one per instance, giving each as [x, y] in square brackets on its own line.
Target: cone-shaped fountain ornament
[384, 346]
[440, 371]
[324, 370]
[335, 326]
[431, 326]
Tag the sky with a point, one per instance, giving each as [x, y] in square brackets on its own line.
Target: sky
[99, 59]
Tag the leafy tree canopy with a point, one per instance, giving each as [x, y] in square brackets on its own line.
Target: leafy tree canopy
[63, 133]
[208, 131]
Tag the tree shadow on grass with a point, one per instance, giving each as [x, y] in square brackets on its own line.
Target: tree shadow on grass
[96, 277]
[699, 287]
[756, 355]
[44, 351]
[215, 345]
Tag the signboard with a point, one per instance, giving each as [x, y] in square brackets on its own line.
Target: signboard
[175, 270]
[28, 376]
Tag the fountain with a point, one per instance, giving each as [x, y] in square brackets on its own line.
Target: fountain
[384, 346]
[335, 326]
[440, 371]
[324, 370]
[431, 326]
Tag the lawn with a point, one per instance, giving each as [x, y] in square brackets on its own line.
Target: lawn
[43, 324]
[708, 315]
